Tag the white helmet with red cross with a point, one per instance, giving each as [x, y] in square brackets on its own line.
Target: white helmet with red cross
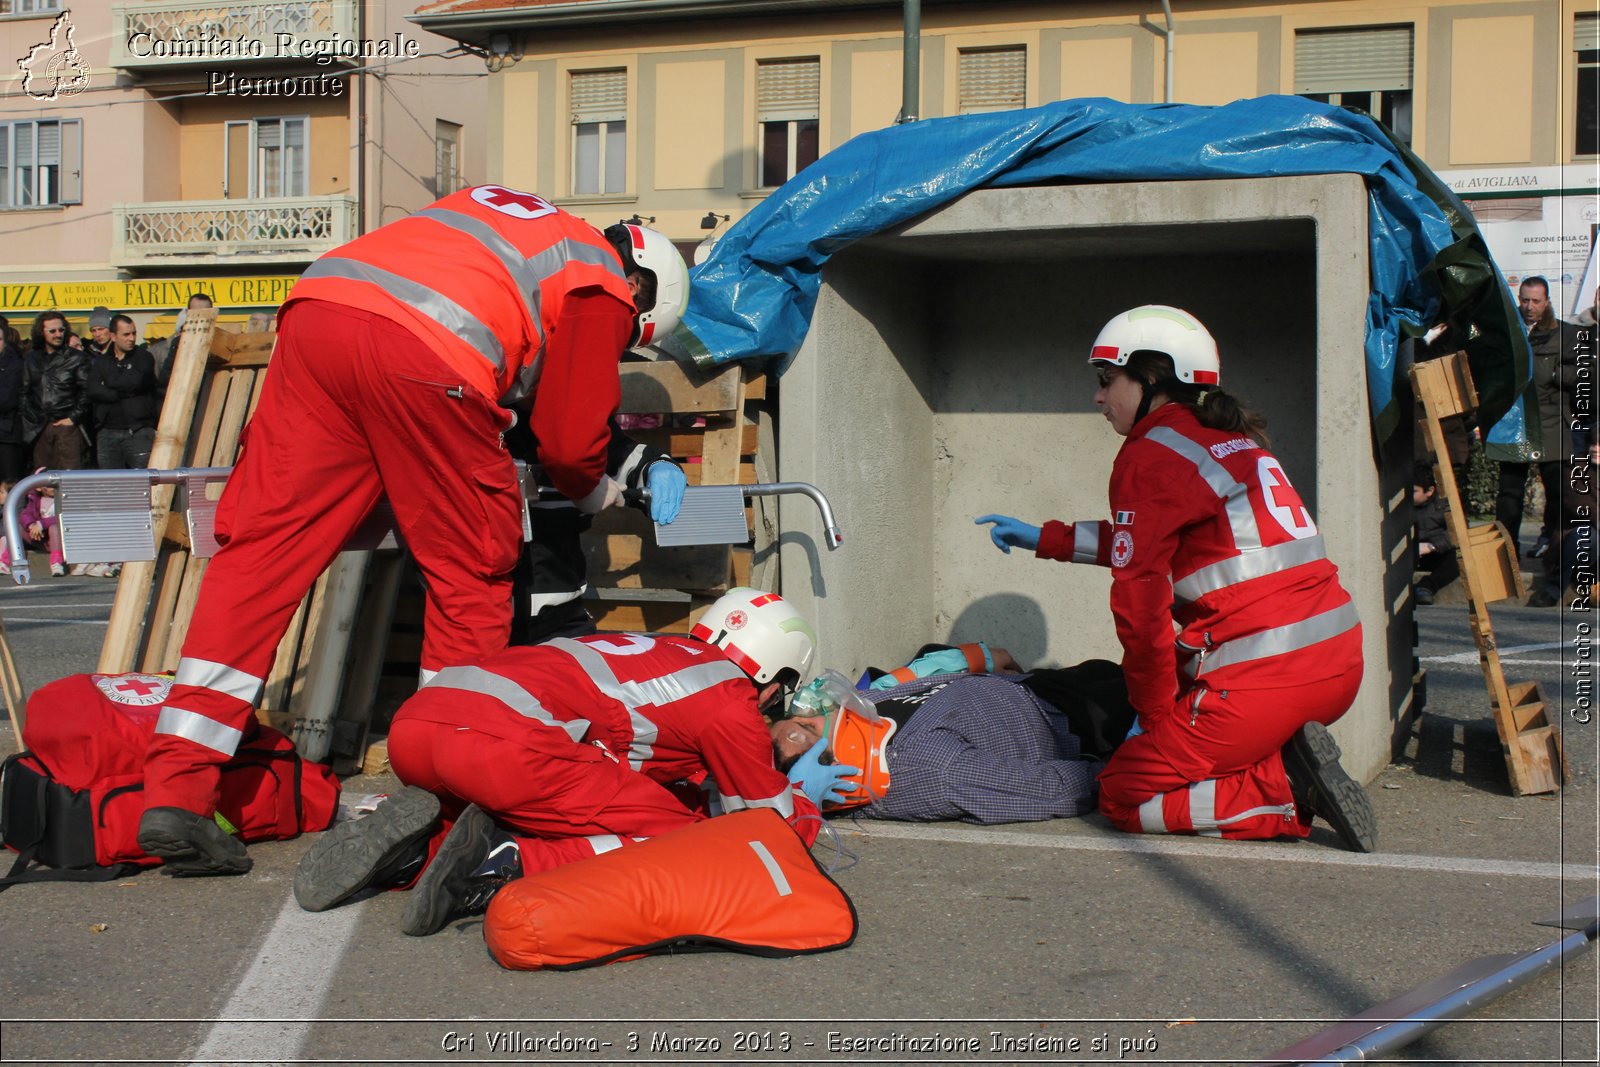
[1159, 328]
[640, 246]
[761, 632]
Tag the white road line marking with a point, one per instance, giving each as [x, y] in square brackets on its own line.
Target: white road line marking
[57, 622]
[68, 605]
[1508, 650]
[1243, 850]
[289, 979]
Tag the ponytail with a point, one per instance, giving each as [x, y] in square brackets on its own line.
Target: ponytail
[1215, 408]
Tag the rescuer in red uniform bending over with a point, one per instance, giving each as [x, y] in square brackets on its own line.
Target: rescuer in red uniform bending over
[397, 358]
[1208, 532]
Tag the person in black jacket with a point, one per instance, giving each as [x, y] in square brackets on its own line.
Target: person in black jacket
[126, 398]
[13, 450]
[55, 396]
[1436, 556]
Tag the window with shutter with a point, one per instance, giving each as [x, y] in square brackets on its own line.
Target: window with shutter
[993, 79]
[1586, 115]
[41, 163]
[788, 106]
[599, 101]
[1366, 69]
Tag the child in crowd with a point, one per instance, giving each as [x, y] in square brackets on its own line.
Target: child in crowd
[40, 530]
[1436, 557]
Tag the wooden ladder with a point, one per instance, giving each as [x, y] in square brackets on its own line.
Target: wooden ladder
[1532, 745]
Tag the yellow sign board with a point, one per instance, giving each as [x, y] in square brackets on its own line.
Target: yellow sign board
[143, 294]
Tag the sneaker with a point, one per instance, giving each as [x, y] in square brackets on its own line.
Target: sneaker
[102, 570]
[1320, 786]
[78, 570]
[189, 844]
[1423, 595]
[5, 568]
[475, 861]
[381, 849]
[58, 570]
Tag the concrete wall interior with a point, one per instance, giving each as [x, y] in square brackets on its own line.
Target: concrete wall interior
[944, 377]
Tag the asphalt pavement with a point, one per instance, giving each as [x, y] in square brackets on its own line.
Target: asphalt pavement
[1058, 942]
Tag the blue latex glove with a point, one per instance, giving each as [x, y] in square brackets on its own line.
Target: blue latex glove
[665, 482]
[1009, 533]
[821, 781]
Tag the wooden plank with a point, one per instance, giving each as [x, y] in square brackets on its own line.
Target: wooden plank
[1535, 760]
[653, 388]
[240, 391]
[11, 689]
[656, 617]
[376, 758]
[194, 572]
[242, 349]
[308, 640]
[695, 474]
[120, 645]
[169, 580]
[687, 443]
[275, 693]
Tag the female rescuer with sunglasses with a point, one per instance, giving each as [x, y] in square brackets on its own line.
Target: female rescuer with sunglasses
[1207, 531]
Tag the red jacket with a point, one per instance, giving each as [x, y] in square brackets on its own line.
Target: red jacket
[1207, 531]
[672, 708]
[515, 295]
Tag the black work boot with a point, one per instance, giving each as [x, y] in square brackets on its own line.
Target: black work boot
[475, 860]
[382, 849]
[190, 845]
[1320, 786]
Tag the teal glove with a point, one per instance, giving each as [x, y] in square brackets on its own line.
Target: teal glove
[665, 482]
[821, 781]
[1009, 533]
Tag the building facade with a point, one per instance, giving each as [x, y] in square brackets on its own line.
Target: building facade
[689, 112]
[150, 149]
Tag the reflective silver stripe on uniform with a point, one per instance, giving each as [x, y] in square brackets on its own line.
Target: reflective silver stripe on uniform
[779, 882]
[651, 691]
[1086, 542]
[438, 307]
[1151, 818]
[507, 692]
[1241, 516]
[1282, 639]
[1284, 810]
[783, 803]
[192, 726]
[1203, 808]
[1253, 563]
[511, 258]
[566, 250]
[603, 843]
[219, 678]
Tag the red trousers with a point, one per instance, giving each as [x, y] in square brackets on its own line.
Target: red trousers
[353, 407]
[567, 800]
[1222, 774]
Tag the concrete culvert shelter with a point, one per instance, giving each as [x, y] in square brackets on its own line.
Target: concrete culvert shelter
[944, 377]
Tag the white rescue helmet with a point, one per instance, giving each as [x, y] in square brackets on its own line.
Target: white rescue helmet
[761, 632]
[1159, 328]
[651, 249]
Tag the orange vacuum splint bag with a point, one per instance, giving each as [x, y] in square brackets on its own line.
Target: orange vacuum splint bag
[742, 882]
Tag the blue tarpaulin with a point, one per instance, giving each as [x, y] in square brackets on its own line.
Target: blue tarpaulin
[753, 297]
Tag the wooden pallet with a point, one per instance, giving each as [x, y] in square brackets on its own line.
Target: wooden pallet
[635, 585]
[314, 690]
[1535, 759]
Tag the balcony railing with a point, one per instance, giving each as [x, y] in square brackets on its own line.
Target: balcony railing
[174, 33]
[290, 230]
